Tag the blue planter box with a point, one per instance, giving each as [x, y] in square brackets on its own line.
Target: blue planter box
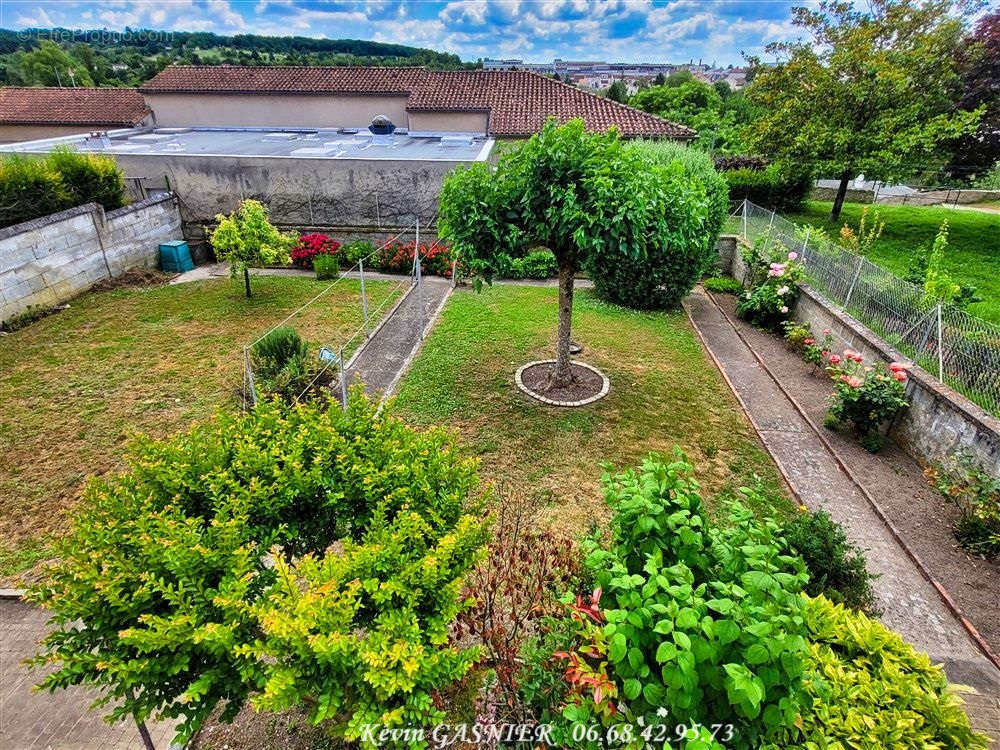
[175, 257]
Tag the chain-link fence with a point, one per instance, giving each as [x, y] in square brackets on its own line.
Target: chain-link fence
[961, 349]
[364, 302]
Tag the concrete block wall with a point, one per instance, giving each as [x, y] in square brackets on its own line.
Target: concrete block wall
[48, 260]
[939, 422]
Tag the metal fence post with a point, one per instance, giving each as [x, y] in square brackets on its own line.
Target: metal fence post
[745, 237]
[249, 371]
[939, 348]
[854, 281]
[364, 299]
[343, 380]
[378, 213]
[805, 244]
[420, 285]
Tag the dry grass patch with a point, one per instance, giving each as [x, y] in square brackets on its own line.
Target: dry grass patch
[75, 386]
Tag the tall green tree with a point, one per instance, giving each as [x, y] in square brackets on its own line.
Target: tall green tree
[976, 152]
[577, 193]
[51, 65]
[617, 92]
[870, 91]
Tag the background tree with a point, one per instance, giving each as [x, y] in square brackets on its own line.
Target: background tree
[617, 92]
[870, 91]
[976, 152]
[51, 65]
[579, 194]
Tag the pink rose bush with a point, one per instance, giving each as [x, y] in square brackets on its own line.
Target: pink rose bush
[772, 290]
[865, 396]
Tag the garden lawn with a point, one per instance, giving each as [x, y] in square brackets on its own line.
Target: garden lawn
[973, 255]
[664, 392]
[76, 385]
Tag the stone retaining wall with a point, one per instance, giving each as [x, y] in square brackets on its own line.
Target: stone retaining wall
[48, 260]
[940, 421]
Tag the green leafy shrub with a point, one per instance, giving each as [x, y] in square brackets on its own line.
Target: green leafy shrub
[356, 250]
[206, 574]
[30, 188]
[772, 276]
[866, 396]
[326, 267]
[283, 366]
[90, 178]
[796, 335]
[977, 494]
[776, 187]
[837, 568]
[722, 285]
[537, 264]
[868, 688]
[702, 621]
[646, 275]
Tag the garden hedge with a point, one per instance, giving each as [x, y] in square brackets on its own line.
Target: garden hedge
[691, 204]
[779, 188]
[34, 187]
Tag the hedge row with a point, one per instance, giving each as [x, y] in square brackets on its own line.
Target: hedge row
[33, 187]
[776, 187]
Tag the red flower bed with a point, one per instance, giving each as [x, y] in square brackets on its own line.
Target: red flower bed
[311, 245]
[435, 259]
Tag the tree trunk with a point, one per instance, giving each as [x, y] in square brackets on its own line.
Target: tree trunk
[838, 202]
[246, 280]
[563, 375]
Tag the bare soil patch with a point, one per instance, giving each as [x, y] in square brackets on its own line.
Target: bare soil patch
[586, 383]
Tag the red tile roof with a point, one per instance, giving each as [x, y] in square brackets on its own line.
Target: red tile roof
[518, 102]
[71, 106]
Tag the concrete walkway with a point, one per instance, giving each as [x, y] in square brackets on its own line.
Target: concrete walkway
[909, 602]
[52, 721]
[381, 362]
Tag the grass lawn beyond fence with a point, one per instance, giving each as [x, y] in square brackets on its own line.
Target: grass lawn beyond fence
[76, 385]
[974, 243]
[664, 392]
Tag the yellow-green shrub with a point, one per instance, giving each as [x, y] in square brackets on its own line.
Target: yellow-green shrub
[312, 553]
[868, 688]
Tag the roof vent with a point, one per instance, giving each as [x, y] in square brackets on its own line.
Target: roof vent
[381, 125]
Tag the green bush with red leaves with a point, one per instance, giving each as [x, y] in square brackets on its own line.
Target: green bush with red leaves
[436, 259]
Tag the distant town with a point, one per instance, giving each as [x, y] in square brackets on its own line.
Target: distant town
[600, 75]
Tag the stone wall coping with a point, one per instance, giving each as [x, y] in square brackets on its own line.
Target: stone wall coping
[85, 208]
[971, 411]
[44, 221]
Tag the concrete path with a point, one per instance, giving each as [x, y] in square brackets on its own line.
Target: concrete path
[909, 603]
[52, 721]
[381, 362]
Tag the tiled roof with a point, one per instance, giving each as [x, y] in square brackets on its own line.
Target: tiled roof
[71, 106]
[518, 102]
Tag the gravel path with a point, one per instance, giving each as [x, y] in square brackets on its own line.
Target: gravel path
[909, 602]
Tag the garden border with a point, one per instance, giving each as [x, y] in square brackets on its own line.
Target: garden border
[605, 384]
[942, 592]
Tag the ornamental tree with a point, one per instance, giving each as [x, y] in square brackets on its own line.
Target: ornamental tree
[246, 238]
[870, 91]
[577, 193]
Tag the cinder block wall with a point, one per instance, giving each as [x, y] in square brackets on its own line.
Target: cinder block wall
[48, 260]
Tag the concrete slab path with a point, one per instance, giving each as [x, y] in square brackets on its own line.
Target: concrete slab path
[30, 720]
[909, 602]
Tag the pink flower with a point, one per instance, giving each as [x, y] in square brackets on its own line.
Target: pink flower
[809, 342]
[852, 355]
[899, 375]
[897, 366]
[835, 359]
[826, 331]
[793, 256]
[852, 380]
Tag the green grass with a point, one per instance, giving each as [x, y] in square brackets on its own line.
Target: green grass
[76, 385]
[974, 243]
[664, 392]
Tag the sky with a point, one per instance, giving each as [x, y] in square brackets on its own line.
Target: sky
[716, 31]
